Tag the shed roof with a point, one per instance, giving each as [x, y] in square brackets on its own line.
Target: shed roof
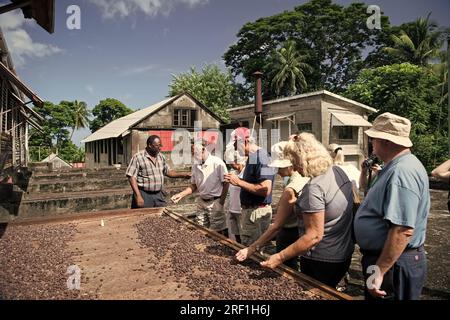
[309, 94]
[120, 127]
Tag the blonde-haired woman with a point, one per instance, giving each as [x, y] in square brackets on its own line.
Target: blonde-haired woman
[325, 212]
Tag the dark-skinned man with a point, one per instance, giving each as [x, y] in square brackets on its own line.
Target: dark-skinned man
[146, 173]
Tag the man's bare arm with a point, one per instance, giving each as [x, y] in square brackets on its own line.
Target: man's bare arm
[396, 242]
[442, 172]
[175, 174]
[133, 183]
[223, 196]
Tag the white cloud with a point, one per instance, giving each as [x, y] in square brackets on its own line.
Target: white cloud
[90, 89]
[152, 8]
[19, 41]
[136, 70]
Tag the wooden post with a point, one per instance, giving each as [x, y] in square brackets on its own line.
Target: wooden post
[448, 89]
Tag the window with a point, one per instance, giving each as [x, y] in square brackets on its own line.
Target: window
[304, 127]
[345, 133]
[184, 117]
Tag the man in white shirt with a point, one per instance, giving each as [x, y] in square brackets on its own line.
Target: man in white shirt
[207, 179]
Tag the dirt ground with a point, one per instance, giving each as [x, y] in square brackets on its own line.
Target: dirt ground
[437, 247]
[114, 266]
[132, 254]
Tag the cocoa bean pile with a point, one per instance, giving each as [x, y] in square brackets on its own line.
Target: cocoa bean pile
[34, 261]
[209, 268]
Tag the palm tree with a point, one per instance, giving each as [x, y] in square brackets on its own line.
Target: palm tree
[417, 45]
[286, 70]
[80, 116]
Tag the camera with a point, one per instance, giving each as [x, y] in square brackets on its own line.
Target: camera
[368, 163]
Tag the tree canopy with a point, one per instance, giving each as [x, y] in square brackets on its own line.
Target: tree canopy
[287, 70]
[417, 42]
[333, 38]
[55, 136]
[106, 111]
[413, 92]
[211, 86]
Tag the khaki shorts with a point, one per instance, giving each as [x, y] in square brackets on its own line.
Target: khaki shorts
[210, 214]
[254, 222]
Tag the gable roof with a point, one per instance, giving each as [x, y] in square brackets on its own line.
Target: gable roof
[310, 94]
[54, 157]
[120, 127]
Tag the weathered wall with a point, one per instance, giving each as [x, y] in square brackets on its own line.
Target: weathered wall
[355, 149]
[163, 119]
[315, 110]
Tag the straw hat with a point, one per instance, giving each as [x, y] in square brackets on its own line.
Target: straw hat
[278, 158]
[391, 127]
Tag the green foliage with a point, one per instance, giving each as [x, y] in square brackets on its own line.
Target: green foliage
[211, 86]
[80, 114]
[57, 118]
[67, 151]
[441, 71]
[333, 38]
[287, 70]
[416, 42]
[55, 137]
[106, 111]
[70, 152]
[39, 153]
[410, 91]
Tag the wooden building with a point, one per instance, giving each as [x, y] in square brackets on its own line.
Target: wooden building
[330, 117]
[118, 141]
[15, 114]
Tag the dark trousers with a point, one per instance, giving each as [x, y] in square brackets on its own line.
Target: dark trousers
[151, 199]
[329, 273]
[286, 237]
[405, 280]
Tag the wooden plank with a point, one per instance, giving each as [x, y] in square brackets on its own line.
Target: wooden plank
[17, 82]
[314, 285]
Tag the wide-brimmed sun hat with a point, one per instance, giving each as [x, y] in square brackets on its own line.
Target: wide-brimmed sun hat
[391, 127]
[278, 158]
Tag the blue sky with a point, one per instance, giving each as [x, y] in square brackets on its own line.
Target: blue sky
[128, 49]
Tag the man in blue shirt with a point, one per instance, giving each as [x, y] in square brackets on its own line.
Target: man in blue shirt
[391, 222]
[256, 188]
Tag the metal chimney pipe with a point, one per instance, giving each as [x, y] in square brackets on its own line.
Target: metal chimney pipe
[258, 93]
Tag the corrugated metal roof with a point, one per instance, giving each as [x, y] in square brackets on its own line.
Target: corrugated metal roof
[121, 125]
[305, 95]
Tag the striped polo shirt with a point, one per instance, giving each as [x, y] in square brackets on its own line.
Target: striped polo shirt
[149, 174]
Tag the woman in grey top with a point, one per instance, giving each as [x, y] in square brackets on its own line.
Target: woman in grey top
[325, 211]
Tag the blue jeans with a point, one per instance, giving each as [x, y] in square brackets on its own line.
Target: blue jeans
[405, 280]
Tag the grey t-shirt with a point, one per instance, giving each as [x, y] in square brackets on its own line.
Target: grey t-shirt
[330, 192]
[400, 196]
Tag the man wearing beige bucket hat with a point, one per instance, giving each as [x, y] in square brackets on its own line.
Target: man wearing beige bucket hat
[390, 224]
